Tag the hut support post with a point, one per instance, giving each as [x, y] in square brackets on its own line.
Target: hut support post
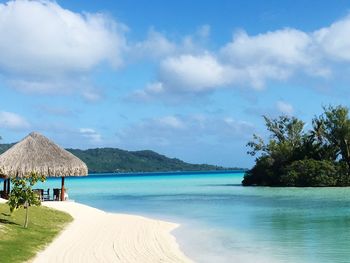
[5, 186]
[62, 189]
[8, 185]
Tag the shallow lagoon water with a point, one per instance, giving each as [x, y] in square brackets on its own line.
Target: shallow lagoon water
[221, 221]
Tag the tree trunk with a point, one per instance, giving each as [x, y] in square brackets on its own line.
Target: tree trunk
[26, 219]
[5, 189]
[62, 189]
[8, 186]
[347, 155]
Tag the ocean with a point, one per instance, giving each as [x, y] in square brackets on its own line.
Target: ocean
[222, 221]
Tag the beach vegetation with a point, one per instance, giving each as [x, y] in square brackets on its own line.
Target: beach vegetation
[22, 194]
[294, 156]
[19, 244]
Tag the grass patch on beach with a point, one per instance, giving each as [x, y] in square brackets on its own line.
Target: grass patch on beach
[19, 244]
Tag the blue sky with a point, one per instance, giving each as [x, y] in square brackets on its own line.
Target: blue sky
[188, 79]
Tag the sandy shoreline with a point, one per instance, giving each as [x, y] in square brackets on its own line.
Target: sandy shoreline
[97, 236]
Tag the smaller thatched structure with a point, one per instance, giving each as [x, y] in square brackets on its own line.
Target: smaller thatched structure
[36, 153]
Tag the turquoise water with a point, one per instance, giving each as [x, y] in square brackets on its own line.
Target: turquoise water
[225, 222]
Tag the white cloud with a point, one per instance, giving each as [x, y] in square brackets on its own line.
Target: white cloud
[46, 48]
[254, 60]
[55, 110]
[245, 61]
[273, 111]
[282, 47]
[172, 122]
[44, 85]
[12, 120]
[195, 73]
[204, 31]
[92, 135]
[334, 40]
[273, 55]
[91, 95]
[155, 46]
[159, 45]
[199, 139]
[40, 40]
[184, 131]
[284, 107]
[151, 90]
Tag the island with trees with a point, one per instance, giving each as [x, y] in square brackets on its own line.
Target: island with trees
[294, 156]
[114, 160]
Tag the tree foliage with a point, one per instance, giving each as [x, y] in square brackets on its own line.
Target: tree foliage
[295, 157]
[22, 194]
[109, 160]
[336, 131]
[310, 172]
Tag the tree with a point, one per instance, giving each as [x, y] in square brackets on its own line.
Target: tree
[283, 147]
[293, 157]
[310, 172]
[22, 194]
[335, 124]
[283, 130]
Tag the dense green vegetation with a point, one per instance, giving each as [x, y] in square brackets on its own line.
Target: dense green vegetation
[4, 147]
[116, 160]
[19, 244]
[295, 157]
[109, 160]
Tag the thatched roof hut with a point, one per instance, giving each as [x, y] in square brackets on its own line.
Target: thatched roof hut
[36, 153]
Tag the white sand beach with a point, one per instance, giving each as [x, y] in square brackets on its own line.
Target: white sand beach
[97, 236]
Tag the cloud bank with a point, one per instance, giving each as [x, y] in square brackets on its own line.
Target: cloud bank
[44, 46]
[253, 61]
[13, 121]
[181, 131]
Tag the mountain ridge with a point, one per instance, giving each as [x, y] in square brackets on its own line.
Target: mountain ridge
[115, 160]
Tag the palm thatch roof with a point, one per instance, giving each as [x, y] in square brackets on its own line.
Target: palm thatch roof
[36, 153]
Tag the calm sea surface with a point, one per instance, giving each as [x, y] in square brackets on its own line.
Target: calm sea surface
[225, 222]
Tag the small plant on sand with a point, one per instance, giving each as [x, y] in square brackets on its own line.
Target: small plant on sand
[22, 194]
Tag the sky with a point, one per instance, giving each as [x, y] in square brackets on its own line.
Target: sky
[188, 79]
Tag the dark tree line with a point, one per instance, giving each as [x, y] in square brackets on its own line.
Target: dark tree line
[295, 157]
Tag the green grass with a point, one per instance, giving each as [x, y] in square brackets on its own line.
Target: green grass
[18, 244]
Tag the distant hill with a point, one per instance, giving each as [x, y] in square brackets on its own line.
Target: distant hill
[108, 160]
[4, 147]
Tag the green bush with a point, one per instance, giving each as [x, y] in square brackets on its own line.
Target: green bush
[22, 194]
[261, 174]
[310, 172]
[293, 156]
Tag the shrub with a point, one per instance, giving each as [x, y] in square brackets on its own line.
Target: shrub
[22, 194]
[311, 172]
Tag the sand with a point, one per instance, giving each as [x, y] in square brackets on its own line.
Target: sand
[97, 236]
